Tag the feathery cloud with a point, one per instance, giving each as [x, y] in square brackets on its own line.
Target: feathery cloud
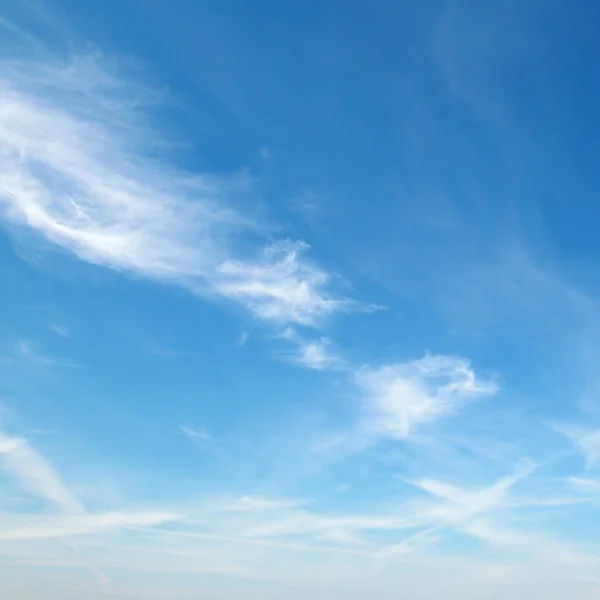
[25, 350]
[402, 396]
[280, 286]
[317, 354]
[60, 330]
[77, 168]
[35, 474]
[585, 485]
[197, 437]
[477, 501]
[313, 354]
[39, 527]
[587, 441]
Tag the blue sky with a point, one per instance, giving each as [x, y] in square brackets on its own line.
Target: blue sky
[299, 299]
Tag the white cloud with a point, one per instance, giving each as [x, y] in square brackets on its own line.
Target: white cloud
[76, 167]
[402, 396]
[35, 474]
[336, 529]
[26, 350]
[287, 538]
[587, 441]
[317, 354]
[265, 153]
[60, 330]
[280, 286]
[471, 502]
[491, 515]
[243, 338]
[418, 522]
[313, 354]
[585, 485]
[257, 518]
[38, 527]
[197, 437]
[256, 503]
[307, 205]
[486, 514]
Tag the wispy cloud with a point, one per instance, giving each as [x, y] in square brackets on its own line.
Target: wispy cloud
[38, 527]
[243, 338]
[281, 538]
[197, 437]
[307, 205]
[316, 354]
[399, 397]
[476, 501]
[35, 474]
[265, 153]
[395, 399]
[255, 503]
[38, 477]
[585, 485]
[586, 440]
[26, 350]
[488, 514]
[76, 168]
[60, 330]
[280, 286]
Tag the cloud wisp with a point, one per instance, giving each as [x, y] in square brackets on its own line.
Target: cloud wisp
[586, 440]
[395, 400]
[262, 537]
[199, 438]
[275, 538]
[36, 527]
[318, 354]
[80, 167]
[27, 352]
[35, 474]
[399, 397]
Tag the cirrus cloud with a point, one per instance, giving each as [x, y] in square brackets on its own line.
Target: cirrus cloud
[399, 397]
[77, 168]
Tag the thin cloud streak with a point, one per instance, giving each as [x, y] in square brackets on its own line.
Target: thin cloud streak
[199, 438]
[35, 474]
[60, 330]
[586, 440]
[26, 351]
[36, 527]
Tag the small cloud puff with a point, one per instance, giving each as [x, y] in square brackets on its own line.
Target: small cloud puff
[399, 397]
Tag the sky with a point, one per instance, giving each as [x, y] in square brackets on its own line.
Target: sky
[299, 299]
